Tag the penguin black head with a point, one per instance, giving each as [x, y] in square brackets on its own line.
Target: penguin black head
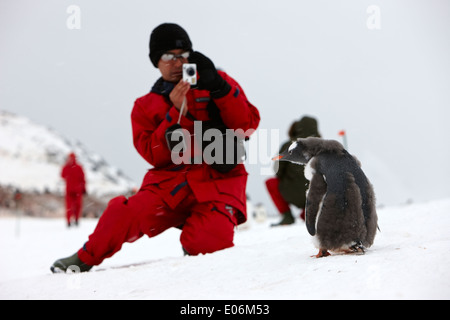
[295, 154]
[304, 149]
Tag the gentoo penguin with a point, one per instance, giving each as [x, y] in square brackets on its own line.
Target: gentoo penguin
[340, 202]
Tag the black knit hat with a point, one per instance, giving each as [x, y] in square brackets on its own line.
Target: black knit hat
[165, 37]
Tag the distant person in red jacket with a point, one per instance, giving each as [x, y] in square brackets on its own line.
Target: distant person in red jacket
[73, 174]
[190, 186]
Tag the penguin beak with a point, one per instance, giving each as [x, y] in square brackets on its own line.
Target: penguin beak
[277, 157]
[282, 156]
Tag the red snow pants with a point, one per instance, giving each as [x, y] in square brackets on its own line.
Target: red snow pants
[207, 227]
[74, 202]
[273, 185]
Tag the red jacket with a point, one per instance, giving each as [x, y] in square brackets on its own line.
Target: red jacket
[73, 173]
[154, 113]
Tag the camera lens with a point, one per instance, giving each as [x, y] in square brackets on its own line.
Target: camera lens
[190, 72]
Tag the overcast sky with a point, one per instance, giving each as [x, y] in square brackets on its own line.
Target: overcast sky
[378, 69]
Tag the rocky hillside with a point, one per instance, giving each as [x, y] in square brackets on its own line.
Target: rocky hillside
[31, 157]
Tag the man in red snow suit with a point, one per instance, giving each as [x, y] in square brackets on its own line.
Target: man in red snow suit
[205, 200]
[73, 174]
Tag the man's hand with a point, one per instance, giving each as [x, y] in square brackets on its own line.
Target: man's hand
[178, 94]
[209, 79]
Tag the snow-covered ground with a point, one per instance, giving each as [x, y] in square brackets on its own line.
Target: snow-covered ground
[409, 260]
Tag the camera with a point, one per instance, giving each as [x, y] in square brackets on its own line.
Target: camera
[190, 73]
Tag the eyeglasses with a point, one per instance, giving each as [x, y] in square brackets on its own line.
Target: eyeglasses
[174, 57]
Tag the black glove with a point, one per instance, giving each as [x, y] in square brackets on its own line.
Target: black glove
[209, 79]
[174, 136]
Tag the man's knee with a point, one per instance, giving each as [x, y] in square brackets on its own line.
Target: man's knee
[202, 242]
[129, 208]
[207, 233]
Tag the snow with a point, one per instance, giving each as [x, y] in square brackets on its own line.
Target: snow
[409, 260]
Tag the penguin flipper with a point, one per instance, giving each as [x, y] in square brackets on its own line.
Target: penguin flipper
[316, 193]
[311, 227]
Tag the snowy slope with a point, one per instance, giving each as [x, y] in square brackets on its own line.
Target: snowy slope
[31, 157]
[409, 260]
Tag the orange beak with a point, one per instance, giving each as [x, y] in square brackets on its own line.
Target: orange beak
[277, 157]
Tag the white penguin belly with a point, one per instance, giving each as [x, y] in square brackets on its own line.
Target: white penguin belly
[309, 171]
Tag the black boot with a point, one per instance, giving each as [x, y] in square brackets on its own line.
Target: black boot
[185, 253]
[72, 263]
[288, 218]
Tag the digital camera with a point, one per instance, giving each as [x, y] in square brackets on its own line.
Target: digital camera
[190, 73]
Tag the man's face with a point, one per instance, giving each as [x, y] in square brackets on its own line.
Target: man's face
[172, 70]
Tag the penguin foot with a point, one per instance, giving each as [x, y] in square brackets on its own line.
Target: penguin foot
[357, 248]
[322, 253]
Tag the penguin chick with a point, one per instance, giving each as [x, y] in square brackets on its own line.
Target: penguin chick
[340, 203]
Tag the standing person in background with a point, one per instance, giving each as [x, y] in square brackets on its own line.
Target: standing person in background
[73, 174]
[289, 185]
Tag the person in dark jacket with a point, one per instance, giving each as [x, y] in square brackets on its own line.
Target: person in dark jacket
[206, 200]
[289, 185]
[73, 175]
